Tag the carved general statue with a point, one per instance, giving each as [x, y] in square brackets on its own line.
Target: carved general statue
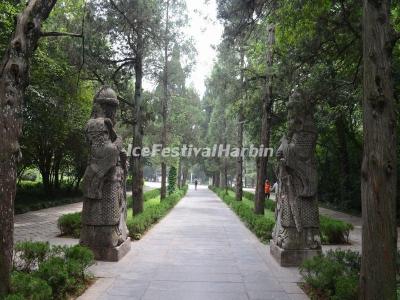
[296, 234]
[104, 208]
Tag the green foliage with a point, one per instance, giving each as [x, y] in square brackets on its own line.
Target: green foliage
[139, 224]
[29, 287]
[270, 204]
[28, 255]
[334, 231]
[151, 194]
[32, 196]
[70, 224]
[261, 226]
[146, 196]
[42, 272]
[171, 180]
[334, 274]
[55, 272]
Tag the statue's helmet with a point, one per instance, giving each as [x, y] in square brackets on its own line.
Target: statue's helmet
[105, 104]
[106, 96]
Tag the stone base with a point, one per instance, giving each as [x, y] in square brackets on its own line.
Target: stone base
[291, 258]
[112, 254]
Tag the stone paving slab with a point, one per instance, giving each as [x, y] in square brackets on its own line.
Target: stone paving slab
[200, 250]
[41, 225]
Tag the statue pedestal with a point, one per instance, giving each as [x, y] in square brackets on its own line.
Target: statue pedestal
[291, 258]
[112, 254]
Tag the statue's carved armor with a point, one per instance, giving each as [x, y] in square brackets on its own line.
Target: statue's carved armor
[297, 217]
[104, 207]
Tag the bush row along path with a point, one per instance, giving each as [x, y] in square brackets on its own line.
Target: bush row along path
[41, 225]
[200, 250]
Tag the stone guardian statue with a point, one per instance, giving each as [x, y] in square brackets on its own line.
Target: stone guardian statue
[104, 213]
[296, 235]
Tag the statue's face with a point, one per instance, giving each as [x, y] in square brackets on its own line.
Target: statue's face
[110, 112]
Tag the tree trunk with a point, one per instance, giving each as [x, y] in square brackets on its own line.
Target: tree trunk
[14, 78]
[239, 161]
[217, 180]
[184, 175]
[179, 177]
[379, 167]
[57, 166]
[259, 204]
[137, 160]
[344, 162]
[165, 107]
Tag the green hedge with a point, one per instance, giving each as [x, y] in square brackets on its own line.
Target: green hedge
[139, 224]
[332, 231]
[32, 196]
[260, 225]
[334, 275]
[147, 196]
[71, 224]
[44, 272]
[269, 204]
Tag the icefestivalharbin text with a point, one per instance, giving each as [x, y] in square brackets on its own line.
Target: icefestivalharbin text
[207, 152]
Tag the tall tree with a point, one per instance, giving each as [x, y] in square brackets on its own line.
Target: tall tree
[379, 167]
[14, 78]
[259, 201]
[165, 98]
[134, 25]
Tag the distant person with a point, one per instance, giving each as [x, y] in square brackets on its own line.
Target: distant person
[195, 184]
[267, 189]
[275, 188]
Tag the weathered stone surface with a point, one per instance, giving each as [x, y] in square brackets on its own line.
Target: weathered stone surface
[291, 258]
[297, 218]
[104, 211]
[112, 254]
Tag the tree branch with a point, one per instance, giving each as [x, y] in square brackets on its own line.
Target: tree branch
[55, 33]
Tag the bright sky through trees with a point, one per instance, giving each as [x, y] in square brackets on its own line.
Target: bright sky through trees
[206, 32]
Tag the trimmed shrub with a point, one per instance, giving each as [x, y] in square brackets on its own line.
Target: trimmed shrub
[139, 224]
[151, 194]
[334, 231]
[28, 286]
[28, 255]
[270, 205]
[32, 196]
[334, 275]
[70, 224]
[44, 272]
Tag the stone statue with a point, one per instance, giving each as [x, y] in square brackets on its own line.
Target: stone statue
[104, 212]
[296, 235]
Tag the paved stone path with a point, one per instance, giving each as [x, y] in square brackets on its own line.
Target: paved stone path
[200, 250]
[41, 225]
